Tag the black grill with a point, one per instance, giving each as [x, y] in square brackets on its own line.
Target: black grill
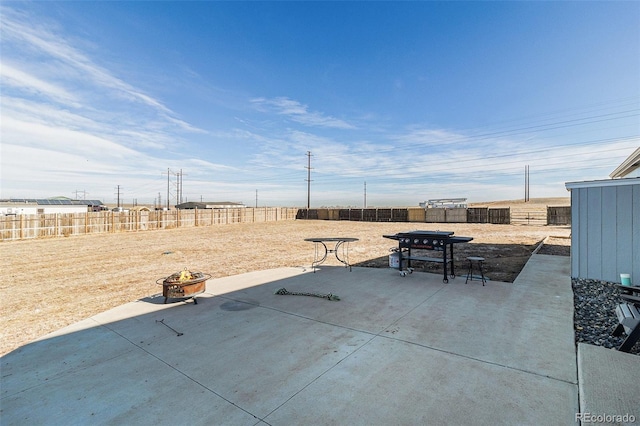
[439, 241]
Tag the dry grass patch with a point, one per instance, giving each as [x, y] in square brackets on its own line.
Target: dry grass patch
[47, 284]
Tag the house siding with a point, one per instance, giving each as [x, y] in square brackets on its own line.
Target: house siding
[605, 232]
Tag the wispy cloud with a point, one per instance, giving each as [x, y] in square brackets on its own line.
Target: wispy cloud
[67, 121]
[428, 137]
[20, 80]
[40, 61]
[51, 45]
[299, 113]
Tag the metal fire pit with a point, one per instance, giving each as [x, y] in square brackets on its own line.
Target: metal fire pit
[183, 285]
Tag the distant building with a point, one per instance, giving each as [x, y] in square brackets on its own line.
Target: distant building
[19, 206]
[209, 205]
[448, 203]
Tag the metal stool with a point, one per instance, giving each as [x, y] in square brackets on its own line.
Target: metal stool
[479, 261]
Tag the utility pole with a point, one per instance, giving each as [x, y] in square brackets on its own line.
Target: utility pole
[84, 194]
[256, 198]
[179, 197]
[168, 176]
[308, 179]
[365, 194]
[177, 187]
[118, 188]
[526, 183]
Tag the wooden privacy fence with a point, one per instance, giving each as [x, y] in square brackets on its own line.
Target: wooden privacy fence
[526, 215]
[412, 214]
[502, 216]
[66, 224]
[559, 215]
[486, 215]
[529, 217]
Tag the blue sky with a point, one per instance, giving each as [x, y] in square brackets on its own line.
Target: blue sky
[410, 100]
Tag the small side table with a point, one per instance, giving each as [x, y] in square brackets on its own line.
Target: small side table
[478, 261]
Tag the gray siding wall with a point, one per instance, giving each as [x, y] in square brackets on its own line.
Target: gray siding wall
[605, 232]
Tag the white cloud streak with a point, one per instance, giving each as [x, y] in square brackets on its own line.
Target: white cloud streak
[299, 113]
[67, 120]
[72, 80]
[24, 81]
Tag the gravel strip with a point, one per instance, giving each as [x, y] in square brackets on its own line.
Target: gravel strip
[595, 319]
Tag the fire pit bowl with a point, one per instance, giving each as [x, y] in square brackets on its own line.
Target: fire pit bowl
[183, 285]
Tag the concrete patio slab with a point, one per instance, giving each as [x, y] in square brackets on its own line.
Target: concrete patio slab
[609, 384]
[391, 382]
[506, 324]
[393, 350]
[132, 388]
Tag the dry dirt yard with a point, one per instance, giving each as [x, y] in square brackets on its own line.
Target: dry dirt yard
[47, 284]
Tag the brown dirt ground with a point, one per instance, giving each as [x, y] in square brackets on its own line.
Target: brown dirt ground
[47, 284]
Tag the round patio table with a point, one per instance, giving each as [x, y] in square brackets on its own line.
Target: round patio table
[320, 243]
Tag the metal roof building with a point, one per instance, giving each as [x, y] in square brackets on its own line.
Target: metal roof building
[20, 206]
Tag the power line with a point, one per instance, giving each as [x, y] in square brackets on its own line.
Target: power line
[400, 147]
[442, 162]
[442, 168]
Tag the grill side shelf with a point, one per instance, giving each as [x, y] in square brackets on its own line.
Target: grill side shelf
[426, 259]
